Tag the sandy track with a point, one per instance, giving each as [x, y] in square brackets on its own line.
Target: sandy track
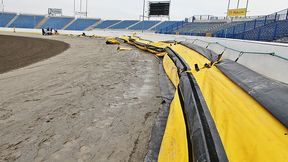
[17, 52]
[89, 103]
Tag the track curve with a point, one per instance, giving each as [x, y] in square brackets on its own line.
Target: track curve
[17, 52]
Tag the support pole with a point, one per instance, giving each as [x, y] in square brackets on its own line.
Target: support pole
[247, 5]
[86, 8]
[74, 8]
[144, 3]
[238, 3]
[229, 2]
[2, 5]
[80, 6]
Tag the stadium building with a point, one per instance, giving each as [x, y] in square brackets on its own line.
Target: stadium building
[205, 88]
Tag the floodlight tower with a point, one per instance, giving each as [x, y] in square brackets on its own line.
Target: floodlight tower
[85, 13]
[143, 15]
[2, 3]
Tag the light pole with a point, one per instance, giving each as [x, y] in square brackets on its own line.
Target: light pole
[229, 2]
[86, 8]
[74, 8]
[238, 4]
[2, 2]
[143, 15]
[80, 6]
[247, 5]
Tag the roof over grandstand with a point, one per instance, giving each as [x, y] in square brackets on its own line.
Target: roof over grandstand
[131, 9]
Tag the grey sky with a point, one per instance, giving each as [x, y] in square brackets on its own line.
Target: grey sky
[131, 9]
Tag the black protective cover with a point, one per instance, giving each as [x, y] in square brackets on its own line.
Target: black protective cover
[178, 61]
[209, 54]
[271, 94]
[204, 142]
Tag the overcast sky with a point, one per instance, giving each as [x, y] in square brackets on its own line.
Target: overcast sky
[131, 9]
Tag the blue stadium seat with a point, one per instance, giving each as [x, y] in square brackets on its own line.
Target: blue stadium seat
[57, 22]
[26, 21]
[5, 18]
[197, 28]
[107, 23]
[144, 24]
[81, 24]
[124, 24]
[164, 24]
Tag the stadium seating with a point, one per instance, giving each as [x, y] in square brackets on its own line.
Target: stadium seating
[107, 23]
[26, 21]
[164, 25]
[5, 18]
[198, 27]
[57, 22]
[124, 24]
[81, 24]
[145, 25]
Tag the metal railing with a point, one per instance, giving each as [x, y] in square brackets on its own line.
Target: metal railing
[266, 28]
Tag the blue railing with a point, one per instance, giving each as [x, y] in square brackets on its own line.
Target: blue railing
[266, 28]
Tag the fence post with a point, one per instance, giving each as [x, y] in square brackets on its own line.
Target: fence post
[255, 23]
[259, 34]
[287, 15]
[276, 16]
[265, 21]
[275, 31]
[244, 29]
[233, 31]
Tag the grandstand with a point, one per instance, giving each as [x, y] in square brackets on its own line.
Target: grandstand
[82, 24]
[266, 28]
[124, 24]
[26, 21]
[107, 23]
[5, 18]
[57, 22]
[145, 25]
[263, 28]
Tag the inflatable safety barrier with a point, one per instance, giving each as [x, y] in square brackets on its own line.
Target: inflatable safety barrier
[221, 111]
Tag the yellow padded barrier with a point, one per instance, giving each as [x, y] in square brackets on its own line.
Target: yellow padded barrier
[174, 144]
[248, 131]
[171, 70]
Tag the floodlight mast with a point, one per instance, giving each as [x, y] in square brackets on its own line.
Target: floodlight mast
[79, 12]
[86, 8]
[2, 2]
[247, 5]
[74, 8]
[238, 4]
[143, 16]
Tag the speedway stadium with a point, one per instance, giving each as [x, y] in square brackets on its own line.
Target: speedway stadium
[204, 88]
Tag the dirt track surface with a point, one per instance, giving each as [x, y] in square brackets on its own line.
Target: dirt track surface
[17, 52]
[90, 103]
